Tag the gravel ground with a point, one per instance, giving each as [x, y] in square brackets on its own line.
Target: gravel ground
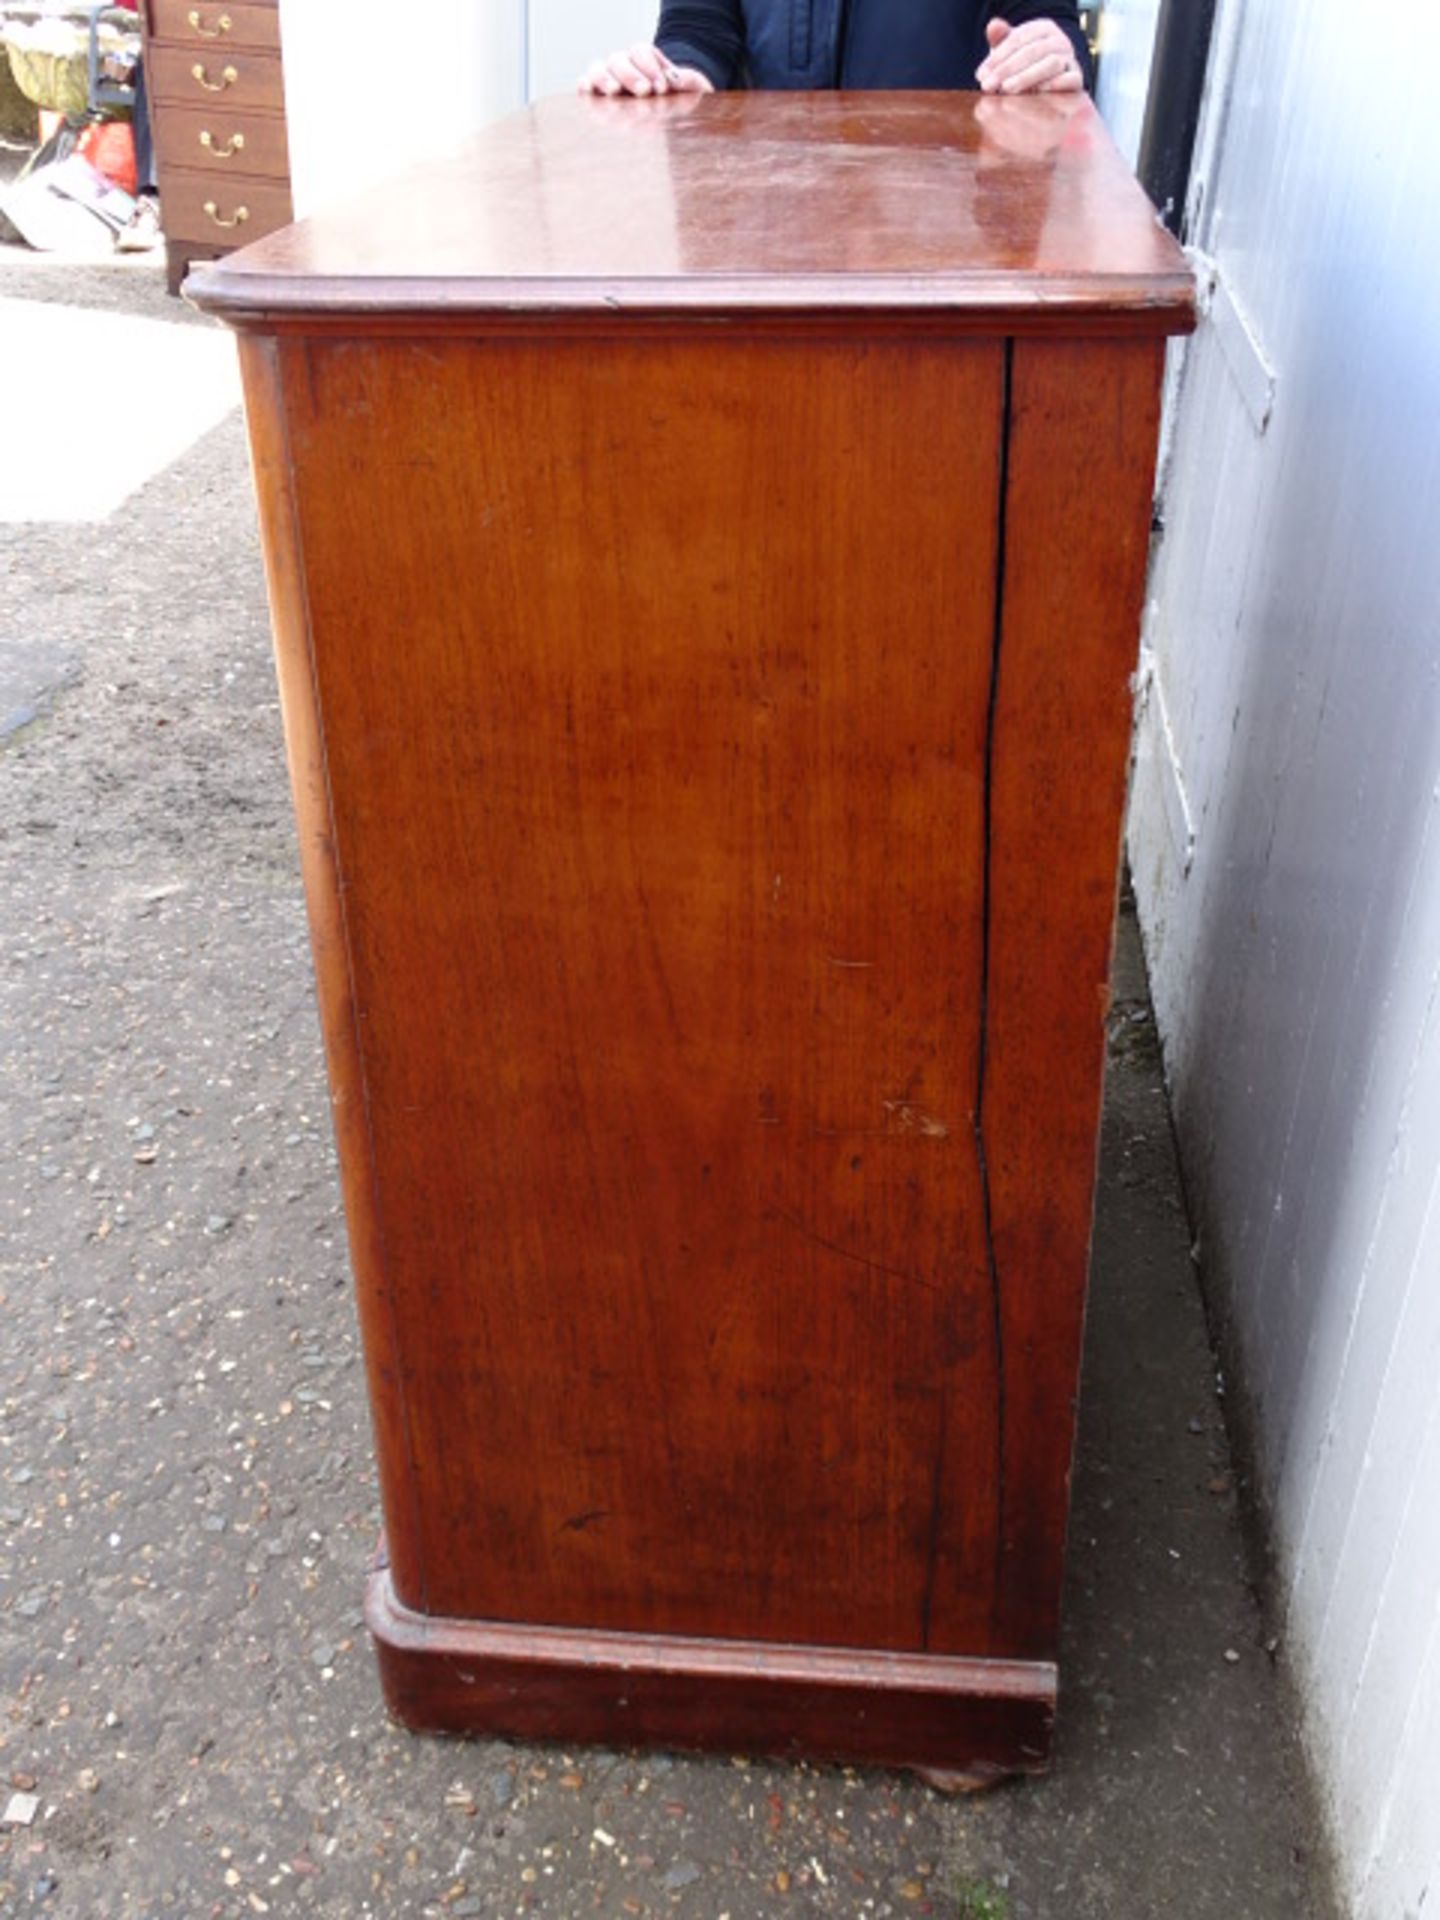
[190, 1715]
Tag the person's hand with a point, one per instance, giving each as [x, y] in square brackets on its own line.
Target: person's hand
[1035, 58]
[643, 70]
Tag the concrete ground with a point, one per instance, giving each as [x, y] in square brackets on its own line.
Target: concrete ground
[190, 1716]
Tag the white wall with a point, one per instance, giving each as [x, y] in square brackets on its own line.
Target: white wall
[566, 35]
[361, 104]
[1127, 41]
[1293, 728]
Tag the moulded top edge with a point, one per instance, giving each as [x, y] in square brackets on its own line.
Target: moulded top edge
[743, 202]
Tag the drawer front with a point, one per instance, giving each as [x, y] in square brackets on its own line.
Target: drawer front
[211, 25]
[198, 77]
[222, 213]
[215, 141]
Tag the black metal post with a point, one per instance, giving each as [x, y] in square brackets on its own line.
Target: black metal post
[1172, 110]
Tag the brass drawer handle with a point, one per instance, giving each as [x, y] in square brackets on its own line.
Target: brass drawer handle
[235, 145]
[221, 26]
[228, 77]
[237, 219]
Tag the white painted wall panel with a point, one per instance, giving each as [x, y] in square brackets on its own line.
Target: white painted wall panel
[455, 65]
[566, 35]
[1127, 40]
[1295, 631]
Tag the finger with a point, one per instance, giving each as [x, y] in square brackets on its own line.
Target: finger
[602, 78]
[653, 64]
[1030, 30]
[690, 80]
[996, 33]
[1035, 73]
[1071, 81]
[632, 80]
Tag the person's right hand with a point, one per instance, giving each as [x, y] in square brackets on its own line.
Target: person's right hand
[642, 70]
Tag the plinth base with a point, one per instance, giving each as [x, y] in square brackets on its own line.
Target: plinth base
[933, 1712]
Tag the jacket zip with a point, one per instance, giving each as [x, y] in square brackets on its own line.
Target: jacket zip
[842, 38]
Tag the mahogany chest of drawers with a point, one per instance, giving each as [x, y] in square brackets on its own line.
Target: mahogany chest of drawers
[217, 108]
[706, 541]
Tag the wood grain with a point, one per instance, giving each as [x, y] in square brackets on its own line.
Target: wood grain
[1083, 424]
[1003, 215]
[669, 813]
[221, 24]
[705, 686]
[230, 77]
[339, 1015]
[986, 1717]
[222, 208]
[264, 150]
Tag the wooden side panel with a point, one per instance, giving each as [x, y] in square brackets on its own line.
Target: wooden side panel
[309, 782]
[655, 681]
[1080, 469]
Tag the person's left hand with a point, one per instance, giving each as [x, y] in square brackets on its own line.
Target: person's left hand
[1035, 58]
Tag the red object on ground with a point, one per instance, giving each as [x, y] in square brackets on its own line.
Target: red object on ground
[110, 149]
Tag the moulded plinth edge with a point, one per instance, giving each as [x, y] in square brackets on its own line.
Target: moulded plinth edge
[979, 1718]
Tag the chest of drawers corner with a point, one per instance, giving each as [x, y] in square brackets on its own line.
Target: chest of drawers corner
[217, 108]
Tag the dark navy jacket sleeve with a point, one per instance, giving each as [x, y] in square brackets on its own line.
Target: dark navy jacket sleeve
[708, 34]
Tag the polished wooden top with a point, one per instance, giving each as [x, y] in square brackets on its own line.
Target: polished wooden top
[913, 204]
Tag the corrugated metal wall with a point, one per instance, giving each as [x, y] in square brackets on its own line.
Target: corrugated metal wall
[1285, 837]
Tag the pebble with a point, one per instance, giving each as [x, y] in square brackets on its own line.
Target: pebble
[1232, 1657]
[324, 1656]
[218, 1223]
[684, 1873]
[20, 1810]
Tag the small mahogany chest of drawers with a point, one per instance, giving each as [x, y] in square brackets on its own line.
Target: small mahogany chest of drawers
[706, 542]
[217, 110]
